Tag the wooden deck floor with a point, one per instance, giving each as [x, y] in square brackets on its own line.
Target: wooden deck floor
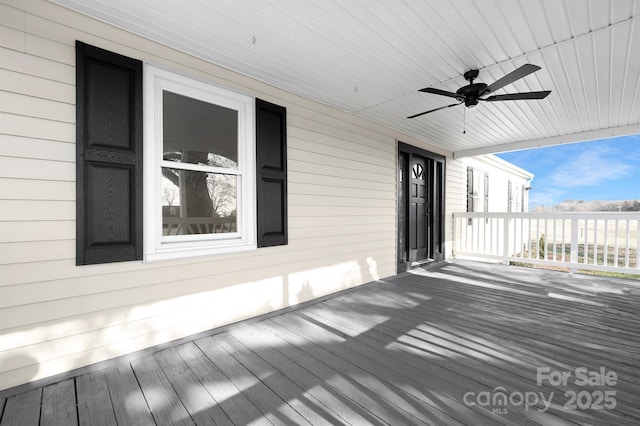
[445, 346]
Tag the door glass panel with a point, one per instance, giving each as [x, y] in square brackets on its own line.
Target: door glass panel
[418, 171]
[402, 209]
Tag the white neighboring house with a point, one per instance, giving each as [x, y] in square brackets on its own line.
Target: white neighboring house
[495, 185]
[488, 184]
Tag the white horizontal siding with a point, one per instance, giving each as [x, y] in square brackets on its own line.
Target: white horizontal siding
[455, 198]
[27, 231]
[12, 38]
[16, 82]
[45, 149]
[55, 316]
[20, 104]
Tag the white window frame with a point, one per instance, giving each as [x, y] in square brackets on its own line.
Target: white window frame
[157, 246]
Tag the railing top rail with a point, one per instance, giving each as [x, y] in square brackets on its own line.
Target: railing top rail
[193, 220]
[551, 215]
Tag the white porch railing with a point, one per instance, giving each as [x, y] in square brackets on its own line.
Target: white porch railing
[578, 241]
[197, 225]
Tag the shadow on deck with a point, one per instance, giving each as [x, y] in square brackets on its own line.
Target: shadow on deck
[461, 343]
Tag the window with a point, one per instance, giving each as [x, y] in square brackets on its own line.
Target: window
[199, 159]
[213, 177]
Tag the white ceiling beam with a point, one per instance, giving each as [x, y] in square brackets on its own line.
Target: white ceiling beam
[591, 135]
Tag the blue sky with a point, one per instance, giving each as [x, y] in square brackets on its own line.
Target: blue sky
[607, 169]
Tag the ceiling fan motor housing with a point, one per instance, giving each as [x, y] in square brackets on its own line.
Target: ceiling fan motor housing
[471, 94]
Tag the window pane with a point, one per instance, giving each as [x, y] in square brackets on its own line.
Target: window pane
[199, 132]
[198, 202]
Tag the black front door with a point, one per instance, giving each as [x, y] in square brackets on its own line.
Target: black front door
[419, 210]
[420, 204]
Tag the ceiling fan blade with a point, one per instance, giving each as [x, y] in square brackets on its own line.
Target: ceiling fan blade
[517, 74]
[439, 92]
[433, 110]
[518, 96]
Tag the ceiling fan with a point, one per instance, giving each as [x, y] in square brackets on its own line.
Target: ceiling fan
[473, 93]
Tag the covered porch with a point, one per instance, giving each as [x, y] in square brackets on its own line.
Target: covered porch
[460, 343]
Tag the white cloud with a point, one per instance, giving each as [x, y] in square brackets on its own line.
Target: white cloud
[590, 168]
[587, 170]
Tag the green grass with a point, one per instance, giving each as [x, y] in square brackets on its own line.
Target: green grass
[610, 274]
[590, 256]
[579, 271]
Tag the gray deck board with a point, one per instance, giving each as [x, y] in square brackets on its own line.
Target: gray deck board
[163, 402]
[274, 408]
[127, 399]
[23, 409]
[274, 351]
[404, 350]
[94, 401]
[306, 405]
[327, 371]
[456, 368]
[408, 400]
[198, 402]
[59, 404]
[232, 401]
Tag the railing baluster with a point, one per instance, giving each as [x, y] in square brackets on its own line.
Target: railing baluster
[529, 242]
[476, 235]
[585, 259]
[537, 238]
[505, 242]
[493, 251]
[574, 240]
[595, 241]
[605, 249]
[554, 238]
[513, 247]
[627, 250]
[638, 244]
[522, 237]
[563, 241]
[470, 232]
[546, 238]
[616, 247]
[484, 236]
[516, 237]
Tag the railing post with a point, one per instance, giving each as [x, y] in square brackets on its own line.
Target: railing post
[574, 243]
[505, 248]
[455, 236]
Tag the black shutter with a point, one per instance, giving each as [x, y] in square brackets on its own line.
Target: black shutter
[108, 156]
[469, 189]
[271, 168]
[486, 192]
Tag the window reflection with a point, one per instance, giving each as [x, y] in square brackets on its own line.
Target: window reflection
[198, 202]
[198, 132]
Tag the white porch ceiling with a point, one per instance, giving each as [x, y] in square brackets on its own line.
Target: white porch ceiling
[369, 57]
